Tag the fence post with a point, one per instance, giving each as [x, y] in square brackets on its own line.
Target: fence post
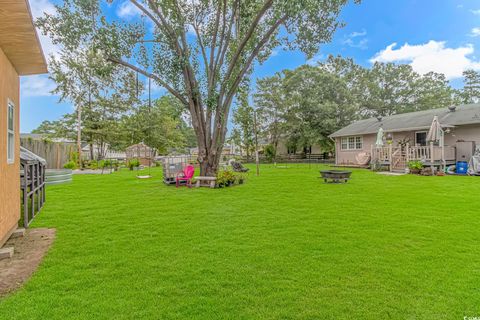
[408, 152]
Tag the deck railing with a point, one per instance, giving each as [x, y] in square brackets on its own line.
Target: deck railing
[430, 153]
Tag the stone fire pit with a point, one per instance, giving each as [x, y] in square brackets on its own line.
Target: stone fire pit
[335, 176]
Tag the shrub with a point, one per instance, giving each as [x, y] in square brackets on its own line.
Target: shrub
[70, 165]
[225, 178]
[269, 152]
[415, 165]
[133, 163]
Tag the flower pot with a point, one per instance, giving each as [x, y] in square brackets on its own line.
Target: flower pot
[414, 171]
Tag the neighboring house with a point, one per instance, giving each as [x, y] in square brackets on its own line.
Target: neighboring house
[407, 133]
[20, 55]
[283, 150]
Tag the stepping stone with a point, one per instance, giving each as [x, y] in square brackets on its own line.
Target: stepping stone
[6, 253]
[20, 232]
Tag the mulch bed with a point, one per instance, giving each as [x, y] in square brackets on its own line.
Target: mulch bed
[29, 251]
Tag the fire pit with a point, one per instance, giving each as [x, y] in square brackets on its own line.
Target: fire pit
[335, 176]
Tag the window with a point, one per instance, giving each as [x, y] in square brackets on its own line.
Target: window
[10, 132]
[421, 138]
[352, 143]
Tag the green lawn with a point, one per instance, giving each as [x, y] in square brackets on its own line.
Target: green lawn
[282, 246]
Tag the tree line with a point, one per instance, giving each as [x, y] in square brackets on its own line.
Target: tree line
[302, 107]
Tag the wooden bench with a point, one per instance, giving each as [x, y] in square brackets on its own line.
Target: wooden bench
[202, 181]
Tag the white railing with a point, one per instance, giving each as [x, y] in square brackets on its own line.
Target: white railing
[420, 153]
[382, 154]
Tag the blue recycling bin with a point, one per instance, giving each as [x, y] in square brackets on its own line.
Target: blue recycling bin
[462, 167]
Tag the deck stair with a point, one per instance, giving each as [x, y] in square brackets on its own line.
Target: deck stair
[399, 161]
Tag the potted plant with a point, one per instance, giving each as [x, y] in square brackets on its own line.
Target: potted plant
[415, 166]
[133, 164]
[241, 178]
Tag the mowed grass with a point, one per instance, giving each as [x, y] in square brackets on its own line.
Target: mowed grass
[282, 246]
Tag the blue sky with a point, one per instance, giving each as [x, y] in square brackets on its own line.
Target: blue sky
[431, 35]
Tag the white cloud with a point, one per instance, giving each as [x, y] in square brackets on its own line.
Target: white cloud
[316, 59]
[362, 44]
[431, 56]
[36, 85]
[40, 8]
[351, 41]
[476, 12]
[475, 32]
[358, 34]
[127, 10]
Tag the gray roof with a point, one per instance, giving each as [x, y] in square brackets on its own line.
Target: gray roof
[464, 114]
[28, 156]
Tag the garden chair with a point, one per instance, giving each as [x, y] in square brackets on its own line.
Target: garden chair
[185, 175]
[238, 167]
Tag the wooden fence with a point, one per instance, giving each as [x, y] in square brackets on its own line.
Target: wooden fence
[56, 153]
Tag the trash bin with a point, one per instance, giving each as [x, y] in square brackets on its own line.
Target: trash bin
[462, 167]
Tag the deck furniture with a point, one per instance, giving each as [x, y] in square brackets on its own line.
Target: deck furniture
[186, 176]
[203, 181]
[238, 167]
[335, 176]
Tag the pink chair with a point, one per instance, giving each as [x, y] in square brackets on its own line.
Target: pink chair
[185, 175]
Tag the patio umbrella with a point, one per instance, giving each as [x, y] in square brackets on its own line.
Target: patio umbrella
[435, 131]
[435, 134]
[379, 142]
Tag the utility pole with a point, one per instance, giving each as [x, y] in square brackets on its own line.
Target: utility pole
[256, 141]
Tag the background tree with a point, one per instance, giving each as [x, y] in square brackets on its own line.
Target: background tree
[243, 119]
[319, 103]
[270, 103]
[471, 89]
[98, 90]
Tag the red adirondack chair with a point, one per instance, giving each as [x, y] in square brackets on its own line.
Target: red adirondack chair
[185, 175]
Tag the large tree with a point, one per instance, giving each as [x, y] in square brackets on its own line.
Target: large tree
[271, 104]
[386, 88]
[319, 103]
[99, 92]
[200, 51]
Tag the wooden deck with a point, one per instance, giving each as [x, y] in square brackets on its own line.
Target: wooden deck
[397, 158]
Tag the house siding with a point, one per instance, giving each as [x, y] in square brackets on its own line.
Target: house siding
[9, 173]
[459, 133]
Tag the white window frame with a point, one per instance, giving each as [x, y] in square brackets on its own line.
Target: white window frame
[10, 160]
[423, 131]
[345, 141]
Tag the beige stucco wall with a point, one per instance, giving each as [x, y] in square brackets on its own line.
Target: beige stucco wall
[465, 133]
[348, 156]
[9, 173]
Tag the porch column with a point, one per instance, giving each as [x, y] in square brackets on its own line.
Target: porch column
[407, 150]
[390, 157]
[432, 157]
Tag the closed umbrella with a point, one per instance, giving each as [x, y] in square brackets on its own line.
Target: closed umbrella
[379, 142]
[435, 132]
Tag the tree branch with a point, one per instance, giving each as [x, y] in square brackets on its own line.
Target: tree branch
[152, 76]
[248, 35]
